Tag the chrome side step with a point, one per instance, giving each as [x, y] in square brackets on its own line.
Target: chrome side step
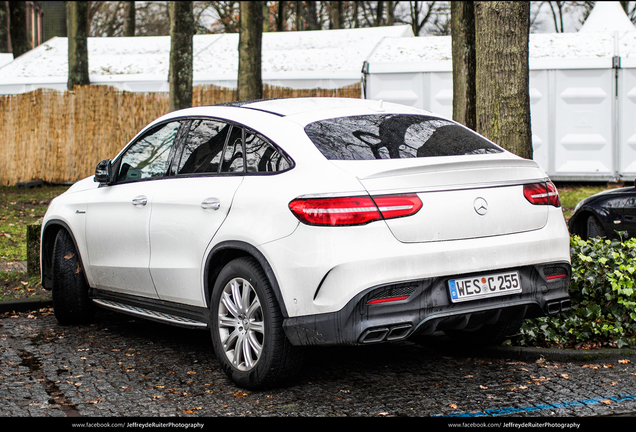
[148, 313]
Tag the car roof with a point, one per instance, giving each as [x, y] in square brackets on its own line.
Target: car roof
[302, 110]
[295, 106]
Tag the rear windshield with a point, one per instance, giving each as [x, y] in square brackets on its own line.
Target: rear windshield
[394, 136]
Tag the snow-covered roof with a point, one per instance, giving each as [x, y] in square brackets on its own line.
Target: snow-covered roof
[546, 51]
[308, 59]
[607, 16]
[607, 32]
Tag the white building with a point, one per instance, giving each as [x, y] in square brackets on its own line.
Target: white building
[302, 60]
[582, 92]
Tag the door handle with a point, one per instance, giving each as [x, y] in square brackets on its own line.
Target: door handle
[140, 201]
[211, 204]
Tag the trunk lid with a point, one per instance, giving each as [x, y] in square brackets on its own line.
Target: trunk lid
[463, 197]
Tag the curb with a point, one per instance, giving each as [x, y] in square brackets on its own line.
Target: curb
[24, 305]
[564, 355]
[445, 346]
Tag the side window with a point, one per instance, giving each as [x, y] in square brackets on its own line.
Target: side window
[262, 156]
[233, 153]
[148, 157]
[204, 147]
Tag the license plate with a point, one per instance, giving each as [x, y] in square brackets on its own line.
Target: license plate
[479, 287]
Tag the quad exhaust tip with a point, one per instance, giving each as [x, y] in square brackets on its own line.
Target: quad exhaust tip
[389, 333]
[558, 306]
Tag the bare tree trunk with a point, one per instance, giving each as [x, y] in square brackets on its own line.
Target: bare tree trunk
[415, 9]
[129, 18]
[379, 13]
[299, 15]
[311, 12]
[463, 49]
[5, 42]
[356, 13]
[77, 27]
[18, 28]
[180, 76]
[250, 83]
[390, 12]
[335, 15]
[280, 19]
[265, 16]
[503, 102]
[557, 15]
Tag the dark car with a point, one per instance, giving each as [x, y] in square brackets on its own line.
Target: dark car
[606, 214]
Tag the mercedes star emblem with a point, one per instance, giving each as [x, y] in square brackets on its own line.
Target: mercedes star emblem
[481, 206]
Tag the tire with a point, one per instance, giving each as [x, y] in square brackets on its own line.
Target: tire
[486, 335]
[594, 228]
[71, 303]
[246, 326]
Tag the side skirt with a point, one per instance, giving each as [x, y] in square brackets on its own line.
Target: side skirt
[157, 310]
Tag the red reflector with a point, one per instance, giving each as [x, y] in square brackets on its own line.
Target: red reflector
[542, 194]
[559, 276]
[353, 210]
[386, 300]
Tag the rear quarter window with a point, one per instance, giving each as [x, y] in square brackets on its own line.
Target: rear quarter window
[394, 136]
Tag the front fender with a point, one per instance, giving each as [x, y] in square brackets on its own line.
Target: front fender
[47, 241]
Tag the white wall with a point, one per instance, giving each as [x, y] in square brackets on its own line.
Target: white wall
[581, 129]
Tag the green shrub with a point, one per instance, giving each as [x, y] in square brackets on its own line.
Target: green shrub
[603, 299]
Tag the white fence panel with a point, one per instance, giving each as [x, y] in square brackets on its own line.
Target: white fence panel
[402, 88]
[440, 94]
[627, 122]
[584, 126]
[540, 115]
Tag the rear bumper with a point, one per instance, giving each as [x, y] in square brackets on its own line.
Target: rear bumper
[425, 307]
[320, 270]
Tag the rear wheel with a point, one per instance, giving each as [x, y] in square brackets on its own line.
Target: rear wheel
[491, 334]
[71, 303]
[247, 331]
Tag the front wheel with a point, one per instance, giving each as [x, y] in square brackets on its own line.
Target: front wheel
[594, 228]
[246, 325]
[71, 303]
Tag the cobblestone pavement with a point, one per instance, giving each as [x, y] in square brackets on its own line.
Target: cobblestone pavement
[13, 265]
[126, 367]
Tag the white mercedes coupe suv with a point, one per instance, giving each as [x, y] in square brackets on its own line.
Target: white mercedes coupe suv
[284, 223]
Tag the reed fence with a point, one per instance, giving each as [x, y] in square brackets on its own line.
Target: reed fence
[59, 137]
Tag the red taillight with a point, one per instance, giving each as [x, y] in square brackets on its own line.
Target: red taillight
[394, 206]
[335, 211]
[544, 193]
[353, 210]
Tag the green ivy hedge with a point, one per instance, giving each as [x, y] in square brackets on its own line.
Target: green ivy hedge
[603, 309]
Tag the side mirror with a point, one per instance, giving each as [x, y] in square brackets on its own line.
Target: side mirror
[103, 172]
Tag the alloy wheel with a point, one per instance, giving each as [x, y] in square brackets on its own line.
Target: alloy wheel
[241, 325]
